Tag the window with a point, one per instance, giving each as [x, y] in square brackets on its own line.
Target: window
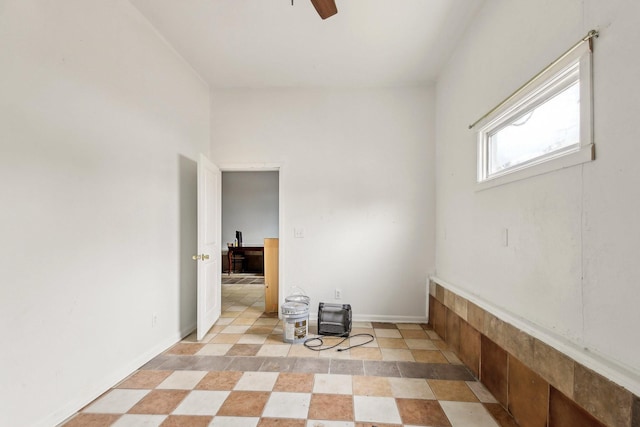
[546, 125]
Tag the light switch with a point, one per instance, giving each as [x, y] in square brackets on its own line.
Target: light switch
[298, 232]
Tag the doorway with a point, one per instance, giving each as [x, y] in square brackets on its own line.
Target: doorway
[251, 205]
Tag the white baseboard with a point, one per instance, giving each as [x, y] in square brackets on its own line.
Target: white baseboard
[389, 319]
[381, 318]
[110, 380]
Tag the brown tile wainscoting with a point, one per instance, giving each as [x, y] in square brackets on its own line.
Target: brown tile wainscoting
[538, 385]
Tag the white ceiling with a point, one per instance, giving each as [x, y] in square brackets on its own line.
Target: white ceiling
[270, 43]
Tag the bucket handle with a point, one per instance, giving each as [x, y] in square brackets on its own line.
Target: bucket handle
[297, 293]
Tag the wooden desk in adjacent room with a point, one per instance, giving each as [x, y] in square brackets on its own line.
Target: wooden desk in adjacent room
[241, 250]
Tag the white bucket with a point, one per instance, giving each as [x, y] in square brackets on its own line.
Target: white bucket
[301, 298]
[296, 321]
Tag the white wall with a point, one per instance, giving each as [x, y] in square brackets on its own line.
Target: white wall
[99, 125]
[357, 174]
[570, 271]
[250, 205]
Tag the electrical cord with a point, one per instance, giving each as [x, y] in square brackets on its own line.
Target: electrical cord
[319, 346]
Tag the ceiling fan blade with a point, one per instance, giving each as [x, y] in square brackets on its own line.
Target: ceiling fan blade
[325, 8]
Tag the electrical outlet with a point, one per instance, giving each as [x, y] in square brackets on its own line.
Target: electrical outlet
[338, 294]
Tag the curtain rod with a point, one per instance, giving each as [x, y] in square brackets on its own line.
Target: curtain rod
[588, 38]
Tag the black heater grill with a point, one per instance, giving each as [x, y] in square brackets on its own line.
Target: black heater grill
[334, 319]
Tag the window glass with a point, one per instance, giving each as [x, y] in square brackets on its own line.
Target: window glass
[552, 127]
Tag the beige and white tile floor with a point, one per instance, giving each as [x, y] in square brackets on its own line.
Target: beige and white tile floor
[243, 375]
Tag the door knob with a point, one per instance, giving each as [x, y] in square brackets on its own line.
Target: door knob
[202, 257]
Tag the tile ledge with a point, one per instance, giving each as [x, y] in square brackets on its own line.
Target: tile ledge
[622, 375]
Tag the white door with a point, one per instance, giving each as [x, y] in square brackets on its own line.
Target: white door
[208, 256]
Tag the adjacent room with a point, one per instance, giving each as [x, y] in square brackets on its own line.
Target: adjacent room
[460, 173]
[250, 212]
[250, 220]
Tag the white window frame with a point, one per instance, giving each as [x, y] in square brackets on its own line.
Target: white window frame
[543, 87]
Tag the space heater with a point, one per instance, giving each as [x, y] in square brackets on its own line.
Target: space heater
[334, 319]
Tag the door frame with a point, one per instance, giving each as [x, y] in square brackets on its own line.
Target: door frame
[267, 167]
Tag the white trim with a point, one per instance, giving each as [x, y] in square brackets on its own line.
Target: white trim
[249, 167]
[583, 155]
[622, 375]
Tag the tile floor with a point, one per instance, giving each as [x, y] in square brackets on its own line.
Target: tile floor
[243, 374]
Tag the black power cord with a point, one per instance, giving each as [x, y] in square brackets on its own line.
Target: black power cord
[319, 346]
